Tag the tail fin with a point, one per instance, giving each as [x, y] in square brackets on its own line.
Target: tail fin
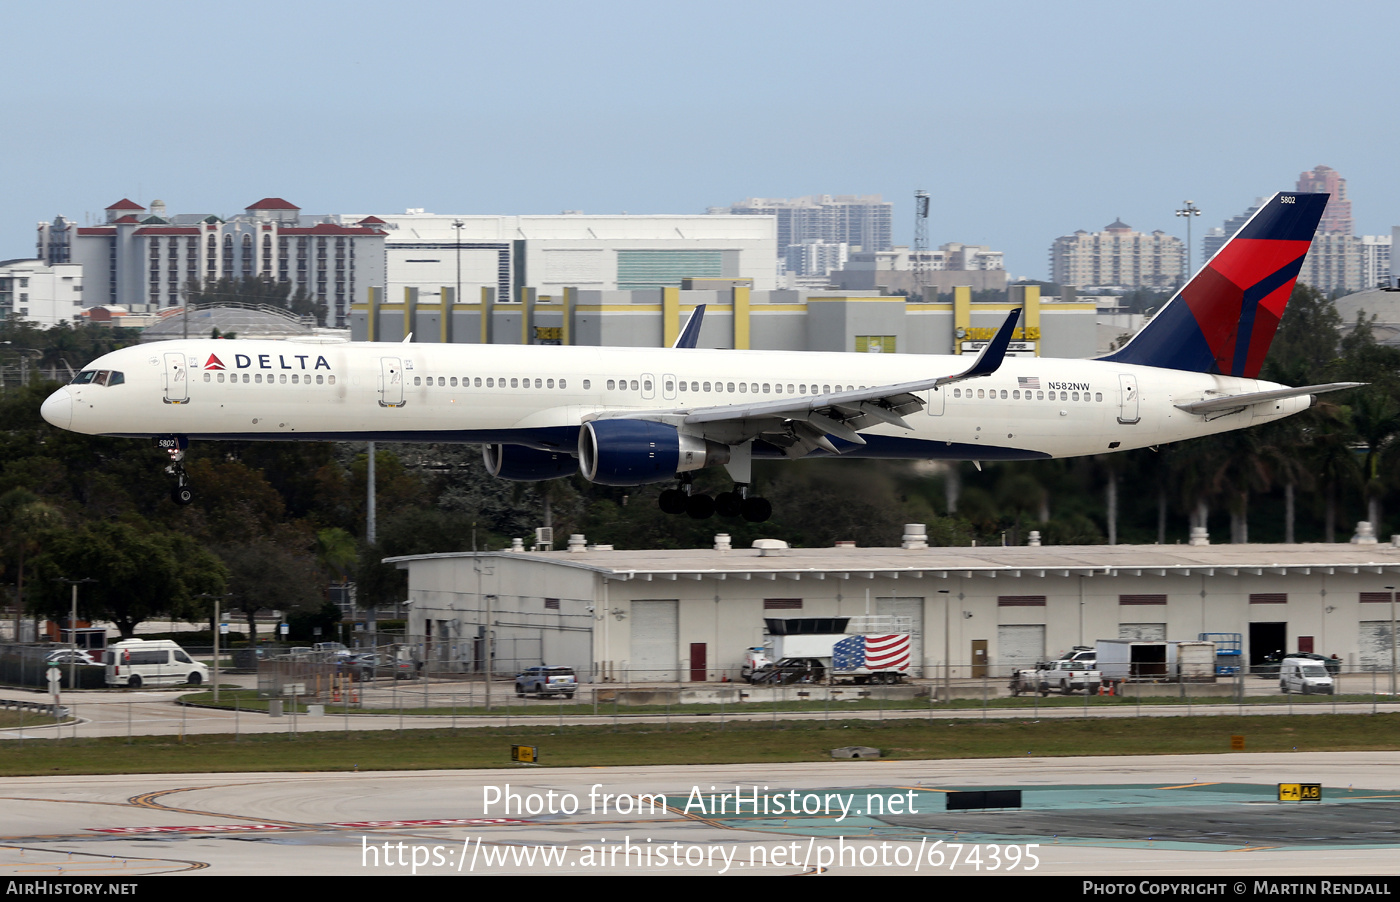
[1224, 319]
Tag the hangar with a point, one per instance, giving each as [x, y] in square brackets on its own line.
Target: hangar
[689, 614]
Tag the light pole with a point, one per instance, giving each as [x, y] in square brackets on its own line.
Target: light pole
[947, 665]
[1390, 590]
[73, 627]
[1188, 211]
[217, 626]
[457, 225]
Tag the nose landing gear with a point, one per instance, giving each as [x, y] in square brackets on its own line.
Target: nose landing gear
[175, 446]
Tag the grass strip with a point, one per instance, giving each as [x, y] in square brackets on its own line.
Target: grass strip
[708, 743]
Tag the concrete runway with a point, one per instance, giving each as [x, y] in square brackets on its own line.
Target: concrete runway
[1208, 816]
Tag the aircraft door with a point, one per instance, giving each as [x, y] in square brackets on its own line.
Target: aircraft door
[1128, 399]
[177, 383]
[390, 382]
[934, 401]
[648, 386]
[668, 387]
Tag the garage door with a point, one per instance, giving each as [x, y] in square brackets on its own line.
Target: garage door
[1374, 644]
[1020, 645]
[655, 640]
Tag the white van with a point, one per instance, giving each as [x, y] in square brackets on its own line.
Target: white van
[1305, 676]
[157, 662]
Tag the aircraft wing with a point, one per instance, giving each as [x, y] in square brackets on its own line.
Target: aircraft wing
[800, 424]
[1236, 402]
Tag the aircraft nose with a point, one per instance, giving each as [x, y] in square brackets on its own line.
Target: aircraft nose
[58, 409]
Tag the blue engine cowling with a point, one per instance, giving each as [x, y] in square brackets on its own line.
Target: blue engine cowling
[635, 452]
[519, 463]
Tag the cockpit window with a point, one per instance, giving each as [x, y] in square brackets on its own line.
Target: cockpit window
[99, 377]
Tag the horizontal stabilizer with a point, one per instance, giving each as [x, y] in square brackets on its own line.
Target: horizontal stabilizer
[1231, 402]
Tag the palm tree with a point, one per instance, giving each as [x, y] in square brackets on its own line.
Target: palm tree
[1375, 416]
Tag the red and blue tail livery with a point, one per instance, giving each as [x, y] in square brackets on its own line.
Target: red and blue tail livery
[1223, 321]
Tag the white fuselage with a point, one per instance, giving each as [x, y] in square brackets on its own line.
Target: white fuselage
[540, 395]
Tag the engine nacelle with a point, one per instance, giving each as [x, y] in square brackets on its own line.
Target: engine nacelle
[636, 452]
[521, 464]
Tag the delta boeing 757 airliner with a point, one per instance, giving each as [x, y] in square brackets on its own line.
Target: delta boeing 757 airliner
[630, 416]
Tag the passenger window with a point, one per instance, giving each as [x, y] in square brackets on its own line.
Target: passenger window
[612, 385]
[331, 380]
[634, 385]
[707, 386]
[283, 380]
[549, 383]
[743, 386]
[1098, 396]
[206, 377]
[1003, 394]
[729, 386]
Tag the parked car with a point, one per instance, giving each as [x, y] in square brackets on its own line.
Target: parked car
[547, 680]
[1305, 676]
[72, 656]
[369, 665]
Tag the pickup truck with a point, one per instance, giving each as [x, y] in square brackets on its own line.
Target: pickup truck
[1065, 676]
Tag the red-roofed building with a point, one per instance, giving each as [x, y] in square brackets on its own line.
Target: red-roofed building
[145, 262]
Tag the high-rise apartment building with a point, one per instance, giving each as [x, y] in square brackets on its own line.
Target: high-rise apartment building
[861, 222]
[144, 260]
[1118, 256]
[1326, 180]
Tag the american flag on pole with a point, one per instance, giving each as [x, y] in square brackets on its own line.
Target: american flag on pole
[871, 652]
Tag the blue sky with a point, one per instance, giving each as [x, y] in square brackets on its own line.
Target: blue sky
[1024, 120]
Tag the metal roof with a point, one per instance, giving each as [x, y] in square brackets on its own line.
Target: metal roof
[945, 562]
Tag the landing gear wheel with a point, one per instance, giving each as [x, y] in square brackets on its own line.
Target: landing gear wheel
[673, 501]
[181, 495]
[700, 507]
[729, 504]
[757, 510]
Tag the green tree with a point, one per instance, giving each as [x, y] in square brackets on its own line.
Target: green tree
[140, 573]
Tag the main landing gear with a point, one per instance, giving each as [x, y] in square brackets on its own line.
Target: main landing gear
[699, 506]
[175, 446]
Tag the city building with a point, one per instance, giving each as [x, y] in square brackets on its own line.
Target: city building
[865, 221]
[1326, 180]
[737, 316]
[143, 259]
[1118, 257]
[892, 271]
[690, 614]
[41, 293]
[428, 252]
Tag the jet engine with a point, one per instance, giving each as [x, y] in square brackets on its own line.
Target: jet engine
[519, 463]
[635, 452]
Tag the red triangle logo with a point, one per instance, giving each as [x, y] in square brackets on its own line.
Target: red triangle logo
[213, 363]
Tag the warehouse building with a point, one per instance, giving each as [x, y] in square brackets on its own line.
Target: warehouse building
[737, 316]
[689, 615]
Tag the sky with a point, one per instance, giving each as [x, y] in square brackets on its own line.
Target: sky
[1024, 120]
